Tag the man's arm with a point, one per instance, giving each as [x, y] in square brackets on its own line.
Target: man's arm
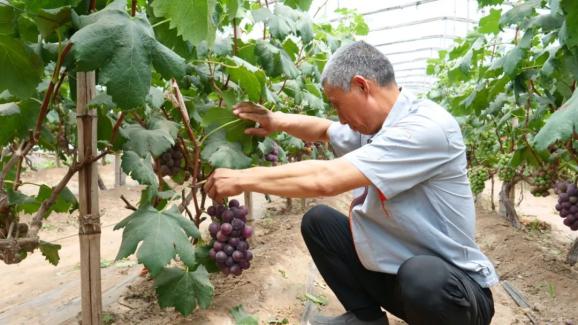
[307, 128]
[309, 178]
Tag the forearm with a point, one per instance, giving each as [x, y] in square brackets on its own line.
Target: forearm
[300, 179]
[307, 128]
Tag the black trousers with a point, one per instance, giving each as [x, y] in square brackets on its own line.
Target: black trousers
[426, 289]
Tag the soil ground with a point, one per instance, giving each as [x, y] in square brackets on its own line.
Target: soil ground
[282, 283]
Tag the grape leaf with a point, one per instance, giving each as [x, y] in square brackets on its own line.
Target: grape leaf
[65, 201]
[490, 24]
[138, 168]
[485, 3]
[21, 68]
[163, 235]
[275, 61]
[571, 10]
[184, 290]
[512, 60]
[560, 126]
[22, 202]
[193, 19]
[156, 139]
[123, 48]
[50, 252]
[235, 8]
[519, 12]
[250, 78]
[48, 20]
[38, 5]
[241, 317]
[221, 153]
[299, 4]
[7, 19]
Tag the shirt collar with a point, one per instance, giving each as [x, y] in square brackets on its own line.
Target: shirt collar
[400, 109]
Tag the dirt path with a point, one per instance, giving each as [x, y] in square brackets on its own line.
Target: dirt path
[275, 286]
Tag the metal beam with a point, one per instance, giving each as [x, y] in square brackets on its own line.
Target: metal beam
[410, 69]
[423, 38]
[415, 50]
[392, 8]
[425, 21]
[411, 61]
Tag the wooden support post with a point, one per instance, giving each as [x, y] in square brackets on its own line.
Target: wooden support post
[248, 199]
[119, 175]
[572, 257]
[89, 218]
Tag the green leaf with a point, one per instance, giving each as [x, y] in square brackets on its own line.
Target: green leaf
[184, 290]
[65, 201]
[163, 235]
[7, 19]
[138, 168]
[304, 27]
[202, 257]
[490, 24]
[221, 153]
[241, 317]
[21, 68]
[235, 8]
[22, 202]
[156, 139]
[299, 4]
[247, 76]
[571, 10]
[50, 252]
[512, 60]
[193, 19]
[519, 12]
[37, 5]
[485, 3]
[123, 48]
[560, 126]
[48, 20]
[275, 61]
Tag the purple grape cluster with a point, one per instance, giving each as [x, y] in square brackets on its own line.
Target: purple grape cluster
[273, 156]
[568, 203]
[230, 233]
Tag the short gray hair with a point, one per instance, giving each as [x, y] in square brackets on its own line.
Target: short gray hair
[357, 58]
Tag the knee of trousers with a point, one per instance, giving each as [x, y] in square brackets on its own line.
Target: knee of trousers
[421, 277]
[313, 218]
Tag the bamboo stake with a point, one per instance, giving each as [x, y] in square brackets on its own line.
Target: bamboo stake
[89, 219]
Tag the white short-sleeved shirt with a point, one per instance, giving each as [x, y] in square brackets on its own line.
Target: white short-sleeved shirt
[417, 161]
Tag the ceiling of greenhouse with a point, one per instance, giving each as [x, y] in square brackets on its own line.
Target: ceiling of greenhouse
[409, 32]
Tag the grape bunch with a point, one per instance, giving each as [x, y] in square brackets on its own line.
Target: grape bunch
[505, 170]
[568, 203]
[230, 233]
[170, 162]
[542, 184]
[273, 156]
[478, 177]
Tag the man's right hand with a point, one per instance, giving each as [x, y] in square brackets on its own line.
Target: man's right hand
[268, 121]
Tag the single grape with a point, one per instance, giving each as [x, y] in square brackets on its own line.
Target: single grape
[230, 261]
[238, 256]
[247, 232]
[228, 249]
[235, 270]
[226, 229]
[237, 224]
[243, 211]
[573, 209]
[573, 199]
[164, 170]
[236, 233]
[212, 253]
[218, 246]
[564, 213]
[234, 203]
[574, 226]
[177, 154]
[566, 205]
[212, 211]
[166, 156]
[214, 228]
[248, 255]
[242, 246]
[568, 221]
[222, 237]
[271, 157]
[564, 197]
[234, 241]
[170, 163]
[220, 210]
[221, 257]
[227, 216]
[275, 150]
[558, 207]
[244, 265]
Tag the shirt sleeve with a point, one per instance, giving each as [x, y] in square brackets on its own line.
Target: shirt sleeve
[342, 138]
[402, 156]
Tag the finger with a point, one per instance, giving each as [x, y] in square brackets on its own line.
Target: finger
[256, 132]
[246, 107]
[255, 117]
[209, 183]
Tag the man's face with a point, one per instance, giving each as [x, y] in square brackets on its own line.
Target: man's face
[354, 107]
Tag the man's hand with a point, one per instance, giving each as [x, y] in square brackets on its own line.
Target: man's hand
[268, 121]
[223, 183]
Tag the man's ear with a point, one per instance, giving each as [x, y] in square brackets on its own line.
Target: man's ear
[360, 82]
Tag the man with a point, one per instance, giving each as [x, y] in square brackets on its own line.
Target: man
[408, 245]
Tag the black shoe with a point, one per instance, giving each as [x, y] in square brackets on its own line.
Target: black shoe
[346, 319]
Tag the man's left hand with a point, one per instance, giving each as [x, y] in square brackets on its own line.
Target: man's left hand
[223, 183]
